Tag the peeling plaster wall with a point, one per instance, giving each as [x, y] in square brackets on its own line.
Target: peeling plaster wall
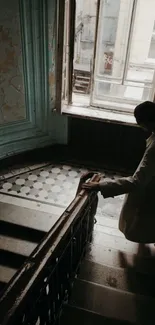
[59, 127]
[12, 101]
[52, 48]
[27, 92]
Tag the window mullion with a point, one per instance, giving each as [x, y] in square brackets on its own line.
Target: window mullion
[59, 52]
[71, 35]
[129, 43]
[95, 50]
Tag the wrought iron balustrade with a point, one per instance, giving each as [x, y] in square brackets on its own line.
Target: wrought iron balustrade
[37, 292]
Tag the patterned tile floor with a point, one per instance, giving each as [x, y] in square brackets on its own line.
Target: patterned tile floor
[55, 185]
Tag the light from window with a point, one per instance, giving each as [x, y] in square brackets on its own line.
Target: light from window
[124, 42]
[152, 45]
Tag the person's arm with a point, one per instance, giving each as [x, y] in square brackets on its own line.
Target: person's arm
[142, 176]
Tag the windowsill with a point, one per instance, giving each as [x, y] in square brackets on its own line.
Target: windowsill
[98, 114]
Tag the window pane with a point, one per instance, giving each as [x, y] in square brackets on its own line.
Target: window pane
[84, 44]
[152, 45]
[137, 69]
[84, 33]
[114, 24]
[126, 41]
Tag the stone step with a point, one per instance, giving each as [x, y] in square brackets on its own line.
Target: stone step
[116, 258]
[28, 217]
[112, 303]
[80, 85]
[107, 222]
[21, 232]
[2, 287]
[123, 279]
[116, 242]
[82, 77]
[79, 91]
[11, 260]
[73, 315]
[109, 230]
[17, 246]
[6, 273]
[80, 81]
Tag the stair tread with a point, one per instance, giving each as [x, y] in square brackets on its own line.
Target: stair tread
[117, 258]
[21, 232]
[123, 279]
[2, 287]
[80, 86]
[16, 246]
[78, 316]
[82, 77]
[79, 91]
[11, 260]
[115, 242]
[108, 230]
[79, 82]
[112, 303]
[107, 222]
[27, 217]
[6, 273]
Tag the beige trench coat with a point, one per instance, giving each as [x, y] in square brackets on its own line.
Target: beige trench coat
[137, 218]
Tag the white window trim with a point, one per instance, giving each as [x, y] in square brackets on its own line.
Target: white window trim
[99, 114]
[118, 112]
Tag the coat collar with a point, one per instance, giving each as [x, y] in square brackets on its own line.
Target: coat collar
[150, 139]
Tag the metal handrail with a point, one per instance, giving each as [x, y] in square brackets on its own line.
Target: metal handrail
[36, 293]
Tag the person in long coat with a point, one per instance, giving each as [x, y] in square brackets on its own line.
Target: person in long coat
[137, 218]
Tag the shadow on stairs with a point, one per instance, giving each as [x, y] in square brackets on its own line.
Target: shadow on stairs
[115, 285]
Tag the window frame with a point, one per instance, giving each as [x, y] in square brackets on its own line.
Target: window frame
[60, 51]
[59, 61]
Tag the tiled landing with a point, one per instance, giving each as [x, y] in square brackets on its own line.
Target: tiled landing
[54, 185]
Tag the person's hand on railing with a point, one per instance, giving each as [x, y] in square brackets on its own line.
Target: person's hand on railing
[91, 186]
[89, 181]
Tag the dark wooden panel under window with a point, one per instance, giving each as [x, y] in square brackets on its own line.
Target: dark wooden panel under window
[118, 146]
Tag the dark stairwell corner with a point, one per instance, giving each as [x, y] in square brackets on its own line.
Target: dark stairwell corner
[115, 283]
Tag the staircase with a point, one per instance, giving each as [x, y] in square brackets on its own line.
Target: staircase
[115, 285]
[21, 230]
[116, 281]
[81, 82]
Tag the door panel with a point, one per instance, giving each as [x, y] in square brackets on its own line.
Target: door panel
[12, 92]
[27, 99]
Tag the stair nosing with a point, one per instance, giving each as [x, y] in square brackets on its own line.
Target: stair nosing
[69, 305]
[117, 290]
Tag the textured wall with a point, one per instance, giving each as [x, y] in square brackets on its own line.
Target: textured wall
[52, 48]
[27, 91]
[12, 102]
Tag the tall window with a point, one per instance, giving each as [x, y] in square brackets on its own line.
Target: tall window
[114, 67]
[152, 45]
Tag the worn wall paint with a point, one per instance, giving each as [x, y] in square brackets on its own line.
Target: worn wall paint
[52, 48]
[20, 93]
[12, 101]
[59, 125]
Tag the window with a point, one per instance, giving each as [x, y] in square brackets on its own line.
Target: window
[152, 45]
[114, 53]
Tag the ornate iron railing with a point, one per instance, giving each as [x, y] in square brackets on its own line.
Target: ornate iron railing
[37, 292]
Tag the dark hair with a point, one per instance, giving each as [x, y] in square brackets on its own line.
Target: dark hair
[145, 112]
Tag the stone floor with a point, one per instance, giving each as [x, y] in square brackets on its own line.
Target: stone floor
[53, 185]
